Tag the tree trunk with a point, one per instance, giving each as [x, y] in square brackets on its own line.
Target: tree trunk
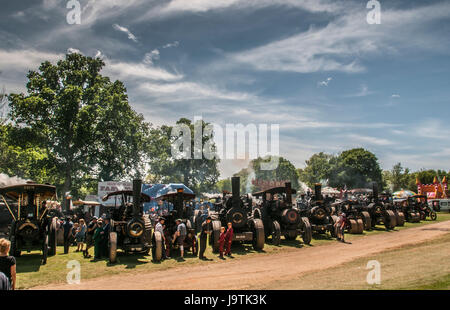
[67, 187]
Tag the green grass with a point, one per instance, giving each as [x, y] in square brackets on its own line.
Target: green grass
[30, 273]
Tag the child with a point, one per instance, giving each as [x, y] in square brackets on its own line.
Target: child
[221, 242]
[229, 239]
[80, 236]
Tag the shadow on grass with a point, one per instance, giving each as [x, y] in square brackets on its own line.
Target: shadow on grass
[243, 249]
[318, 236]
[29, 262]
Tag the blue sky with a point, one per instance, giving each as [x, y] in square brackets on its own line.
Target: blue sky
[317, 68]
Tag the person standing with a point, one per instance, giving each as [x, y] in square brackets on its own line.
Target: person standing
[67, 228]
[7, 263]
[229, 239]
[221, 242]
[105, 236]
[89, 234]
[204, 232]
[340, 226]
[160, 228]
[81, 236]
[180, 235]
[97, 237]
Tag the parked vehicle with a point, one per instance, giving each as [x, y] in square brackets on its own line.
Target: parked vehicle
[319, 212]
[280, 217]
[379, 211]
[237, 210]
[32, 228]
[183, 209]
[440, 205]
[130, 229]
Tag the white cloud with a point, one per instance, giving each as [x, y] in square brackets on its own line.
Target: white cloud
[149, 58]
[125, 30]
[395, 96]
[24, 60]
[325, 82]
[175, 7]
[370, 140]
[173, 44]
[186, 91]
[347, 40]
[72, 50]
[128, 70]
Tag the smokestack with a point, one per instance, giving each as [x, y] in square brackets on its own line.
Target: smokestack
[288, 192]
[375, 192]
[236, 189]
[318, 191]
[137, 187]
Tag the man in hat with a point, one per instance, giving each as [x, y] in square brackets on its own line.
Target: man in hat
[89, 233]
[97, 237]
[180, 235]
[204, 232]
[105, 236]
[67, 227]
[160, 228]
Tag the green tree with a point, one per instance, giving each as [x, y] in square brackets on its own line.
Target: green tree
[200, 175]
[355, 168]
[81, 119]
[318, 168]
[284, 171]
[398, 178]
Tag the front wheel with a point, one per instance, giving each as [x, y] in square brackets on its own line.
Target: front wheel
[214, 238]
[307, 231]
[433, 216]
[276, 233]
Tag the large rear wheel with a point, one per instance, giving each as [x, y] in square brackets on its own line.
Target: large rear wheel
[353, 226]
[366, 219]
[306, 232]
[360, 225]
[400, 217]
[215, 236]
[258, 235]
[389, 219]
[157, 246]
[112, 247]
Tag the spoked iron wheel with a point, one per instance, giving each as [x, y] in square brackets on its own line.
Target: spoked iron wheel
[433, 216]
[258, 235]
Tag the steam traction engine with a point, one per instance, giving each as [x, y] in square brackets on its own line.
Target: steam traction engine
[320, 213]
[183, 209]
[130, 229]
[32, 227]
[237, 210]
[379, 213]
[280, 217]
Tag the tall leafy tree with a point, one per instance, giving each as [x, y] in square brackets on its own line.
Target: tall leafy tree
[317, 169]
[285, 171]
[199, 174]
[356, 168]
[81, 119]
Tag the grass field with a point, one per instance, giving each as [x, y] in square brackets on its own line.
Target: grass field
[30, 273]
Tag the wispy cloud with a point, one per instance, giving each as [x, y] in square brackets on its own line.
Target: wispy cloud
[325, 82]
[173, 44]
[149, 58]
[395, 96]
[131, 36]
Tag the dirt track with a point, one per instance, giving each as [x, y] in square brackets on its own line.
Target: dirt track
[240, 274]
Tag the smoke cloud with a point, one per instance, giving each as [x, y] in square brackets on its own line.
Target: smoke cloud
[6, 180]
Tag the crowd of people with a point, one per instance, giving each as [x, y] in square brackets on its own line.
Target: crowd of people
[85, 236]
